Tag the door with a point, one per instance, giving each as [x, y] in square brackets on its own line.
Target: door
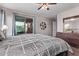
[19, 25]
[23, 25]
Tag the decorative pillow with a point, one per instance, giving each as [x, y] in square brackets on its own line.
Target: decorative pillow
[2, 36]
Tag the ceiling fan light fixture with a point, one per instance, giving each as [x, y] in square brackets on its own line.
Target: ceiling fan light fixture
[45, 6]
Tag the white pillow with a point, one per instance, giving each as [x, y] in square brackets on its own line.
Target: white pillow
[2, 36]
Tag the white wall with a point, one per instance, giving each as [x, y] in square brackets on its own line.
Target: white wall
[9, 18]
[68, 13]
[37, 20]
[54, 27]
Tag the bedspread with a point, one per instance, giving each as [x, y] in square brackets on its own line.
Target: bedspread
[33, 45]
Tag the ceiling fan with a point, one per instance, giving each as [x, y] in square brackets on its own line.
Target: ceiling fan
[45, 5]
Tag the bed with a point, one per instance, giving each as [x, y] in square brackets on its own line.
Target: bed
[33, 45]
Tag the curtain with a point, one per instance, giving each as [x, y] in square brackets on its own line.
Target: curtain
[2, 18]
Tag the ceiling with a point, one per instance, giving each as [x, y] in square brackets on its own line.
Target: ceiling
[32, 8]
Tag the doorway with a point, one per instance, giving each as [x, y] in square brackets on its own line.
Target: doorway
[29, 25]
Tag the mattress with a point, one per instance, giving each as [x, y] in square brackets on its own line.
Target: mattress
[33, 45]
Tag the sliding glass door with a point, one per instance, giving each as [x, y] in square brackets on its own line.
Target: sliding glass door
[23, 25]
[19, 25]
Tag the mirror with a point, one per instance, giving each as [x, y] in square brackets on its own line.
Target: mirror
[71, 24]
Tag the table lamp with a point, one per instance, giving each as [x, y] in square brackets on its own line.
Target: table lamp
[4, 29]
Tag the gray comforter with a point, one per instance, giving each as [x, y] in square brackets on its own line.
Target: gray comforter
[33, 45]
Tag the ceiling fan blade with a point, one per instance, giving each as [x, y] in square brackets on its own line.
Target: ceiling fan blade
[40, 7]
[51, 3]
[47, 3]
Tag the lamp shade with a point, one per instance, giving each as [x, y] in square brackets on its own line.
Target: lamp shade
[4, 27]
